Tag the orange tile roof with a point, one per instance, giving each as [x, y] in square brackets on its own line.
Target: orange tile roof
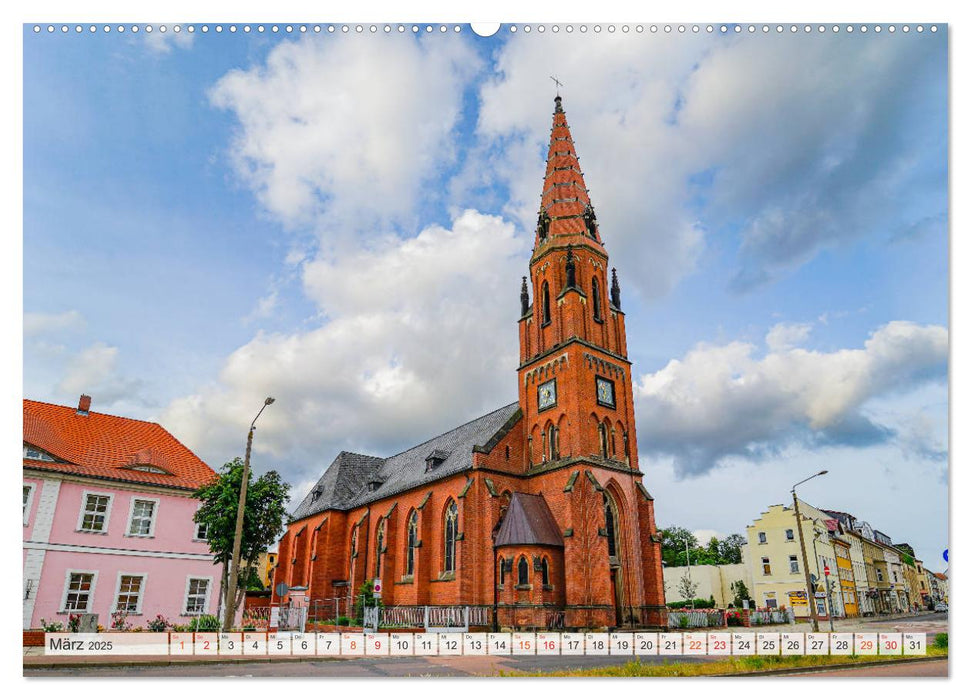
[106, 447]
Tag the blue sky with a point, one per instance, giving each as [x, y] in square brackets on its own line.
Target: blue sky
[342, 221]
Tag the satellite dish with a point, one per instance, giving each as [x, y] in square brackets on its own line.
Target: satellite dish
[282, 589]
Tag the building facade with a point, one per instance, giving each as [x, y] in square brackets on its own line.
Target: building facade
[108, 526]
[537, 509]
[712, 581]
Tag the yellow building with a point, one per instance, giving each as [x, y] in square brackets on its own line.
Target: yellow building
[775, 560]
[264, 567]
[861, 572]
[844, 569]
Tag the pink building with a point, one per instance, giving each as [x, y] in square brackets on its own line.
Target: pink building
[108, 520]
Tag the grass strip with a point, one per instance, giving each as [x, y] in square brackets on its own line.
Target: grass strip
[734, 665]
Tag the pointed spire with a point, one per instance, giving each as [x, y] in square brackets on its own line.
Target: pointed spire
[565, 207]
[614, 289]
[524, 297]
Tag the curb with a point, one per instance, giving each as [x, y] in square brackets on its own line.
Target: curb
[46, 664]
[832, 667]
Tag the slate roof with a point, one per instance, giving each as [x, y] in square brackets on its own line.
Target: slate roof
[344, 485]
[104, 446]
[528, 520]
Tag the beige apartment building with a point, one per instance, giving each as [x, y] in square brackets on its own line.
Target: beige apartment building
[861, 571]
[775, 560]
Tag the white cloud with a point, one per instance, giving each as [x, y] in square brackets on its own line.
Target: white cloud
[785, 336]
[339, 134]
[419, 335]
[160, 42]
[94, 371]
[722, 401]
[42, 324]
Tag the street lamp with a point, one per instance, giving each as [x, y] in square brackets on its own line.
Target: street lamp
[810, 592]
[234, 571]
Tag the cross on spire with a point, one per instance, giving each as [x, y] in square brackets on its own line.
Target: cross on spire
[558, 84]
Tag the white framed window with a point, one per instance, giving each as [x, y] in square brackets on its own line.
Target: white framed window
[762, 539]
[197, 589]
[129, 592]
[141, 517]
[793, 564]
[28, 500]
[31, 452]
[95, 512]
[78, 591]
[766, 567]
[202, 532]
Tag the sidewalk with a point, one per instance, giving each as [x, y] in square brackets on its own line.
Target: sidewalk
[876, 623]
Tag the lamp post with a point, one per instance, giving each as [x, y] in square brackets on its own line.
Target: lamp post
[810, 593]
[234, 571]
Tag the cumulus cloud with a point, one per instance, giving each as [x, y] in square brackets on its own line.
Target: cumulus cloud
[780, 145]
[419, 335]
[723, 401]
[95, 371]
[784, 336]
[36, 324]
[362, 125]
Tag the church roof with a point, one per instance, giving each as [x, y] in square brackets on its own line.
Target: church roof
[528, 520]
[348, 481]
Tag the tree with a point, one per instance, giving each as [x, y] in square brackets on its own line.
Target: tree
[741, 593]
[687, 588]
[673, 540]
[730, 549]
[264, 519]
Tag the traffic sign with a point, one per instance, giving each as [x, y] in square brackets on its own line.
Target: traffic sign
[945, 555]
[377, 588]
[826, 570]
[282, 588]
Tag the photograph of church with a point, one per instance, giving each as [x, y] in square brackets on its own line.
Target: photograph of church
[535, 515]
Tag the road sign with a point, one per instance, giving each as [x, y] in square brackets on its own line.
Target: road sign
[282, 589]
[377, 588]
[826, 571]
[945, 555]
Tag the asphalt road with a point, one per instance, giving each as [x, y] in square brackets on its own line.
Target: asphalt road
[364, 667]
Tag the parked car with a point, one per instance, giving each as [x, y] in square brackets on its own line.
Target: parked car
[940, 607]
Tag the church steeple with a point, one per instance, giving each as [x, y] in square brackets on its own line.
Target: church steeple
[565, 207]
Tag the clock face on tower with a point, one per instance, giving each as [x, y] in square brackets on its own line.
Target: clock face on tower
[605, 392]
[546, 394]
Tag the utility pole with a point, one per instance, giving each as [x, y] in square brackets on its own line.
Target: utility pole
[687, 557]
[810, 592]
[241, 506]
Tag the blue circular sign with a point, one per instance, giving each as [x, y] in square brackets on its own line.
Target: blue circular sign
[945, 555]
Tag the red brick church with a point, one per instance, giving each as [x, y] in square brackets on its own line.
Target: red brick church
[536, 510]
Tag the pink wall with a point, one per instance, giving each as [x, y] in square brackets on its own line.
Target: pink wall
[164, 585]
[167, 558]
[174, 529]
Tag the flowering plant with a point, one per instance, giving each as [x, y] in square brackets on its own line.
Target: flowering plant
[159, 624]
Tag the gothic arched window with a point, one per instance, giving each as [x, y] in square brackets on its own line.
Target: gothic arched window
[546, 303]
[610, 518]
[551, 442]
[502, 571]
[412, 543]
[354, 541]
[523, 572]
[379, 548]
[451, 535]
[603, 440]
[595, 288]
[546, 571]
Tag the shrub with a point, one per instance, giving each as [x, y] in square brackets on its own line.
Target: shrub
[940, 641]
[343, 621]
[74, 623]
[159, 624]
[683, 621]
[52, 626]
[119, 621]
[204, 623]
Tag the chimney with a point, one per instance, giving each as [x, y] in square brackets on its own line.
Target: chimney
[84, 405]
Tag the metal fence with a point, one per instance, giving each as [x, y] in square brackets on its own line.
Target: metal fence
[684, 619]
[770, 617]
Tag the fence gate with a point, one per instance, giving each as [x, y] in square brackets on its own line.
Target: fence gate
[371, 616]
[292, 618]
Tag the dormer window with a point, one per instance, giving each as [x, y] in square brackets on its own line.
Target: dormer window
[150, 468]
[314, 495]
[374, 484]
[435, 459]
[31, 452]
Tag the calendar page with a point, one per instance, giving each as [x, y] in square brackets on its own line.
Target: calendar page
[358, 348]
